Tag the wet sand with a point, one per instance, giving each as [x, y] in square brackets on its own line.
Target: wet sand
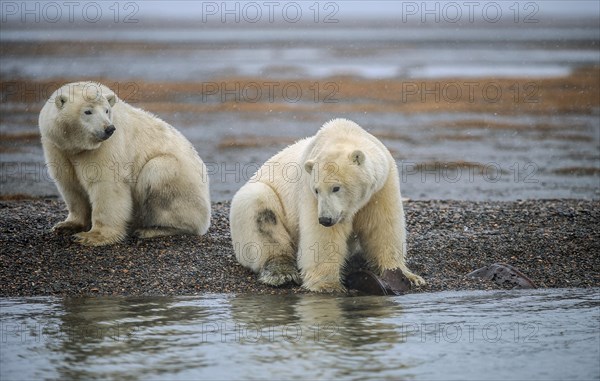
[554, 242]
[574, 93]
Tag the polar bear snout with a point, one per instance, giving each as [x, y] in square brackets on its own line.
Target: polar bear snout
[329, 210]
[326, 221]
[108, 131]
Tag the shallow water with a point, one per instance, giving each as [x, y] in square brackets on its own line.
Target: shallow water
[374, 53]
[516, 162]
[535, 334]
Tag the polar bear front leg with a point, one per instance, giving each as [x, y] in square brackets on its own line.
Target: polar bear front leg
[381, 230]
[111, 213]
[79, 208]
[322, 254]
[78, 205]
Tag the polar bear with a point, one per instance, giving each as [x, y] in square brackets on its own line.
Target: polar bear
[120, 169]
[317, 202]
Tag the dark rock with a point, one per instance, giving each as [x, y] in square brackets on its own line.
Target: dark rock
[503, 275]
[397, 283]
[366, 282]
[391, 282]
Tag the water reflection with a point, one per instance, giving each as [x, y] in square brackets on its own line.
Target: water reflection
[466, 335]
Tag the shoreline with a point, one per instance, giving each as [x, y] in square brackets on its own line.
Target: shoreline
[553, 242]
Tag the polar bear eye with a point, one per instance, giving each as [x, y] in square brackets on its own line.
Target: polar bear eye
[335, 189]
[87, 112]
[316, 191]
[107, 111]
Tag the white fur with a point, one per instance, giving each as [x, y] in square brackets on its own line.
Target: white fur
[146, 176]
[343, 175]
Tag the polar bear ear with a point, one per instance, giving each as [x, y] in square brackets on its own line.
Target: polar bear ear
[308, 166]
[60, 101]
[111, 99]
[357, 157]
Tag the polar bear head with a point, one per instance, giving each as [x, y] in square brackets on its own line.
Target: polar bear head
[341, 182]
[83, 116]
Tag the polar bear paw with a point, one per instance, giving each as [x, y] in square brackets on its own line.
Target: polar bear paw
[156, 232]
[97, 238]
[69, 227]
[280, 270]
[327, 287]
[415, 279]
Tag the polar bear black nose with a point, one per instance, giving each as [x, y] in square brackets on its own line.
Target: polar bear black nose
[326, 221]
[108, 131]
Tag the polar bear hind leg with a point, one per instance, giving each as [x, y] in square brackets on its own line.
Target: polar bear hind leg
[260, 239]
[169, 200]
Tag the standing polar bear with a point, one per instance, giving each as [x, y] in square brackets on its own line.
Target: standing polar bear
[310, 206]
[120, 168]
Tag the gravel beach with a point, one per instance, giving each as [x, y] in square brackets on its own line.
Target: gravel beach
[554, 242]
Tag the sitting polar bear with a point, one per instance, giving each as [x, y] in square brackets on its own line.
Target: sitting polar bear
[118, 168]
[320, 198]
